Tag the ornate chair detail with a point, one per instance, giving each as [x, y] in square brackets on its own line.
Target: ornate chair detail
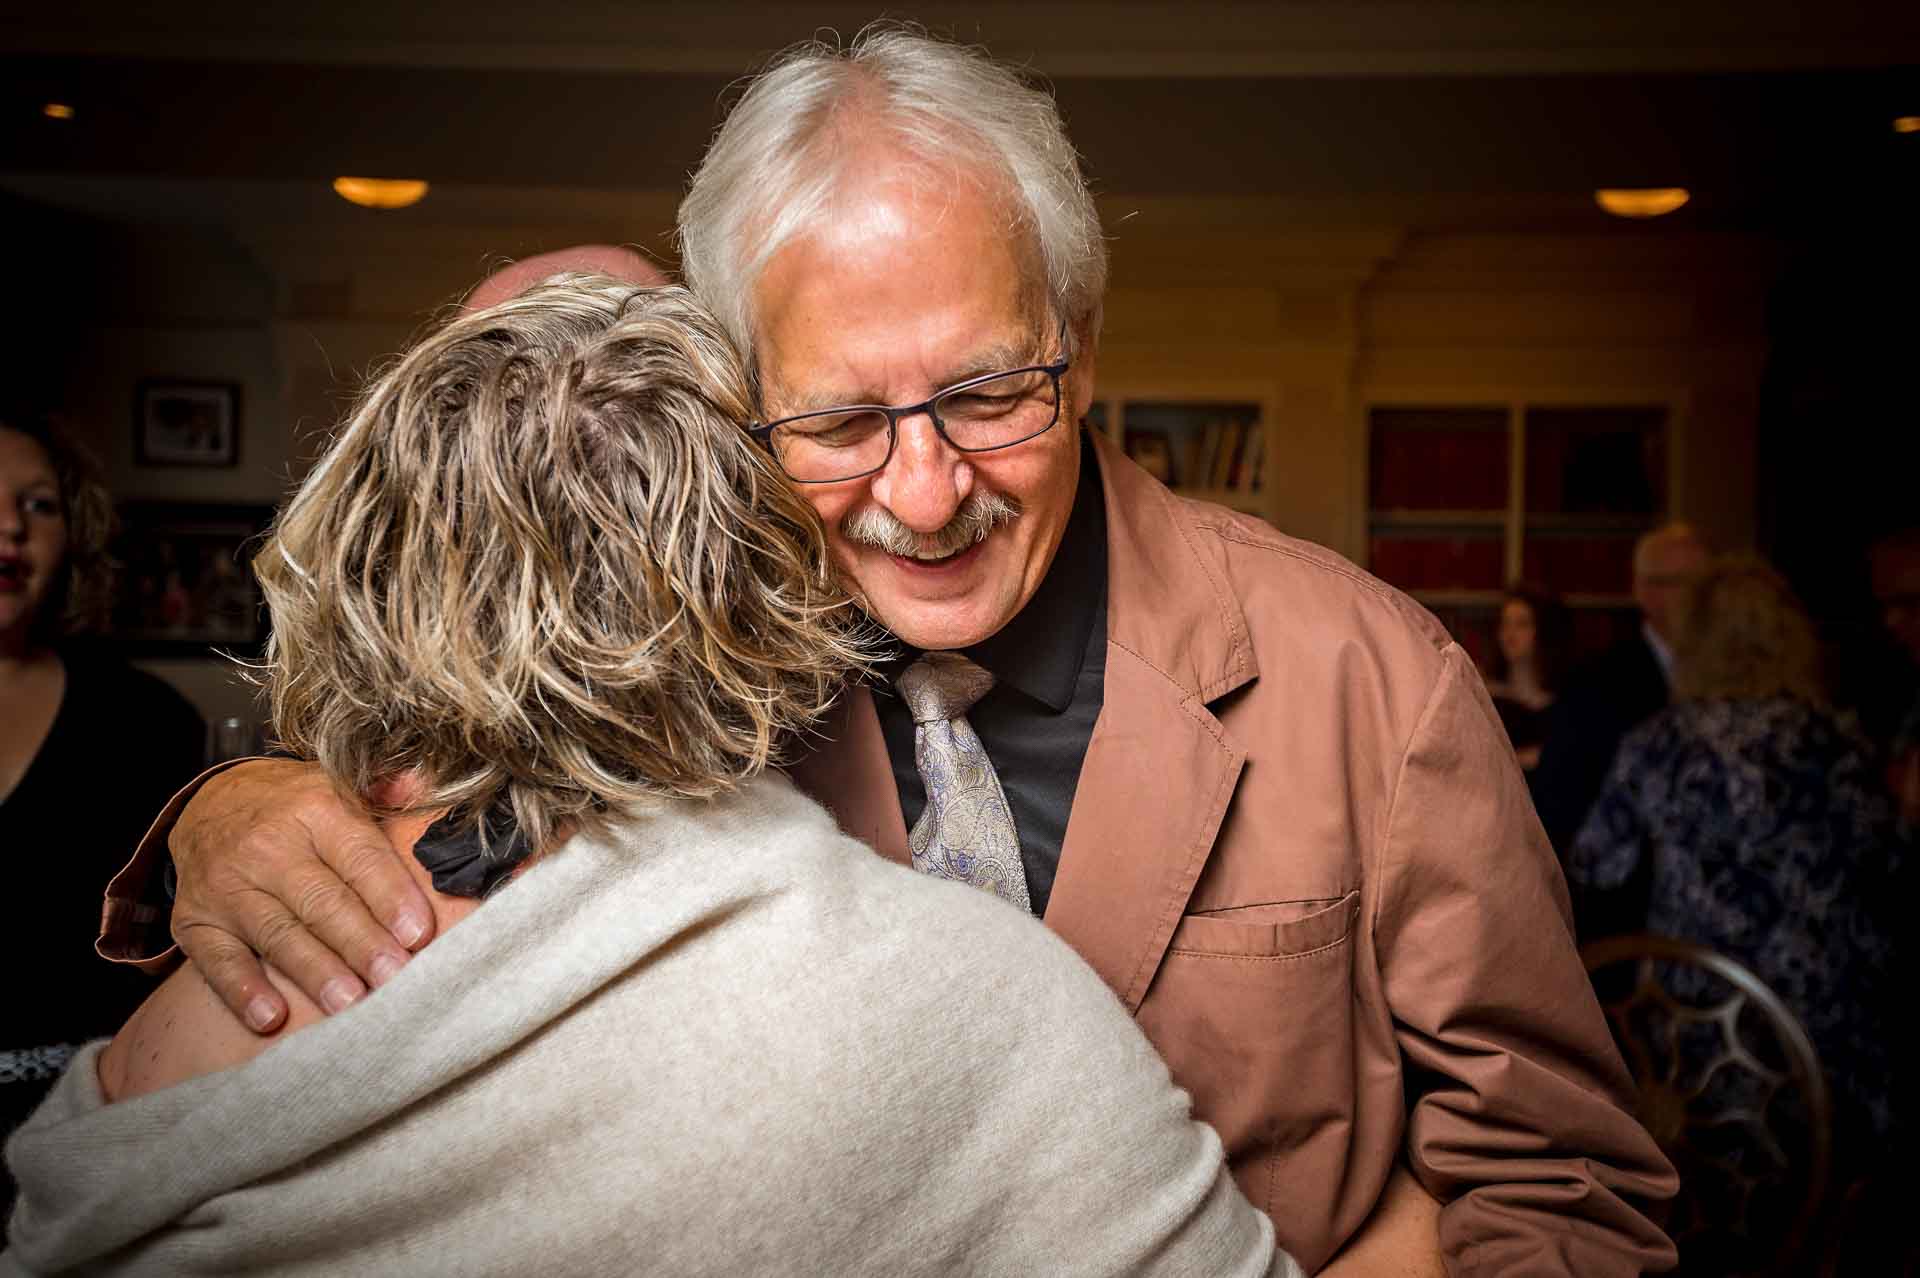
[1732, 1089]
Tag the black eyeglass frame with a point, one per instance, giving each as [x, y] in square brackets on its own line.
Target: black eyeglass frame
[1055, 370]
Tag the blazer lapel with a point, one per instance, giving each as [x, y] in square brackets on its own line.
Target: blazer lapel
[848, 773]
[1160, 770]
[1159, 774]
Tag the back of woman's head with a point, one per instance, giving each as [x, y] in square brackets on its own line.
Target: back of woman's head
[542, 563]
[1744, 637]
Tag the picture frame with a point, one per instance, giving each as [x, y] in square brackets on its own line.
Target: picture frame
[186, 584]
[186, 423]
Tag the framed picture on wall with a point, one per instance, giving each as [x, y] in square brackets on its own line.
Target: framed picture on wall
[180, 423]
[186, 584]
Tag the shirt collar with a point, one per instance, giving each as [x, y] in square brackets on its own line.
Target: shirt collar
[1662, 650]
[1040, 651]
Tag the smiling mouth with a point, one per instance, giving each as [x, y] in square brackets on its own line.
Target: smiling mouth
[939, 561]
[13, 574]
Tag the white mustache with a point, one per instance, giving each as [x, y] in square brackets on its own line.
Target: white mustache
[979, 515]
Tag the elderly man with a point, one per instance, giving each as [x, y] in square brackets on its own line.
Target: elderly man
[1261, 793]
[1629, 683]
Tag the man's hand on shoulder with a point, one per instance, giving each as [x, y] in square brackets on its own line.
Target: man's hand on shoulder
[273, 862]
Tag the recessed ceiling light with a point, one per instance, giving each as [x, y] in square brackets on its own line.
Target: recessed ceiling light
[380, 193]
[57, 111]
[1906, 124]
[1649, 201]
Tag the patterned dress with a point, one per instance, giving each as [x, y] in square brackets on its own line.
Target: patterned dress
[1772, 840]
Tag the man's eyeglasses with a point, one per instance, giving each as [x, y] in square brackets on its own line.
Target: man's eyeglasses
[978, 415]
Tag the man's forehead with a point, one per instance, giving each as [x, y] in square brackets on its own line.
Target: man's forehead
[843, 382]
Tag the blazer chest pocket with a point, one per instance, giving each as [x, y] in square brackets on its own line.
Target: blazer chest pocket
[1253, 1010]
[1284, 930]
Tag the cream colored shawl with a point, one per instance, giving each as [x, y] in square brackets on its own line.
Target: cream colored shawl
[724, 1040]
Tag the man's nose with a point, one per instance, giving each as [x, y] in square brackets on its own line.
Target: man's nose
[926, 479]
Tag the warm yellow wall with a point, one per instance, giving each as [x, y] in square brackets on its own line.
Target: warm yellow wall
[1208, 300]
[1320, 325]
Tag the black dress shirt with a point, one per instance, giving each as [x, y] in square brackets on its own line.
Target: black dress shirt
[1049, 666]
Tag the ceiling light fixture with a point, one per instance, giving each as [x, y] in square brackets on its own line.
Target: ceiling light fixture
[380, 193]
[1906, 124]
[57, 111]
[1650, 201]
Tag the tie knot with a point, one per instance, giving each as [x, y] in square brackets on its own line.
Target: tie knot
[942, 686]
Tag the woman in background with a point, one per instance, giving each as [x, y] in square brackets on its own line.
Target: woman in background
[1770, 836]
[1530, 656]
[89, 748]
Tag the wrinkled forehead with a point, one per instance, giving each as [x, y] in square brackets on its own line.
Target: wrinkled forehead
[1671, 561]
[1015, 329]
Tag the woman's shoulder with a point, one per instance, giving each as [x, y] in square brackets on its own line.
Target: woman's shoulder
[184, 1031]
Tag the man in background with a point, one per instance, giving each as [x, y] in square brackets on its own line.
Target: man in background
[515, 278]
[1629, 683]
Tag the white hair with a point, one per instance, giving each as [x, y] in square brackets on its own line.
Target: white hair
[776, 162]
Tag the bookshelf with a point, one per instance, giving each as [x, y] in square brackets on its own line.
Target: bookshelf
[1464, 497]
[1214, 449]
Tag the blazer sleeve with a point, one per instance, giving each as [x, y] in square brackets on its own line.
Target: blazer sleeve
[137, 910]
[1520, 1121]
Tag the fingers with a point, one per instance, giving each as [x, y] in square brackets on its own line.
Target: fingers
[328, 900]
[235, 975]
[381, 888]
[272, 862]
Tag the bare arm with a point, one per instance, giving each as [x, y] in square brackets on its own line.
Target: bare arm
[1401, 1239]
[273, 862]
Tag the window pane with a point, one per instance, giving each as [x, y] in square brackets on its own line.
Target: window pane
[1597, 460]
[1438, 459]
[1441, 559]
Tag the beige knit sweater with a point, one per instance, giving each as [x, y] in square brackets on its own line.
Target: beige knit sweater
[725, 1040]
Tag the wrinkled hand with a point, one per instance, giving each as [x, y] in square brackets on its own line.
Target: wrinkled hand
[272, 862]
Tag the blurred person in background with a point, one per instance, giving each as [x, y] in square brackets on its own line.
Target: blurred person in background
[1626, 685]
[616, 261]
[687, 1026]
[1896, 587]
[79, 731]
[1532, 648]
[1766, 829]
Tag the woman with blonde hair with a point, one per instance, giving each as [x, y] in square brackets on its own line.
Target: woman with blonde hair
[543, 583]
[1769, 835]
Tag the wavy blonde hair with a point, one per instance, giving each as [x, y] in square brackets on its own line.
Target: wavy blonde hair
[1744, 637]
[542, 565]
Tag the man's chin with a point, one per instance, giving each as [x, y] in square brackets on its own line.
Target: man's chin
[935, 621]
